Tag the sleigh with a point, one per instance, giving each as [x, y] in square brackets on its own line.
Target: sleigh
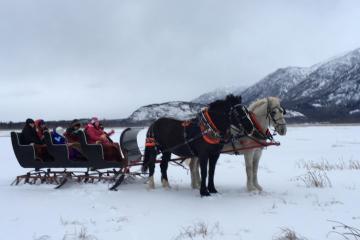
[59, 168]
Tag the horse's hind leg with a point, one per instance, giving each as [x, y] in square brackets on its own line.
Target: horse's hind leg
[164, 166]
[151, 154]
[256, 160]
[195, 175]
[212, 165]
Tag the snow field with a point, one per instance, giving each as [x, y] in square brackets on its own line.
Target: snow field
[90, 211]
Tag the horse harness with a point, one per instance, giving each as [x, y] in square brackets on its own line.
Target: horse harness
[259, 135]
[200, 127]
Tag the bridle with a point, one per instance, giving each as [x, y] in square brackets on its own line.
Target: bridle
[239, 118]
[271, 114]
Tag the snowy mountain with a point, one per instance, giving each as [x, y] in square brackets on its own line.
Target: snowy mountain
[332, 91]
[328, 91]
[277, 83]
[336, 82]
[217, 94]
[177, 109]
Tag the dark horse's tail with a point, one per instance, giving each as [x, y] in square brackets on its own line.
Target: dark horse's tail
[150, 151]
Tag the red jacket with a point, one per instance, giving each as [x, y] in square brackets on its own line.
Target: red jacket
[94, 134]
[39, 130]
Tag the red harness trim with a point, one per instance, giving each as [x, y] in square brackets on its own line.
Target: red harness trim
[257, 125]
[150, 142]
[212, 124]
[208, 137]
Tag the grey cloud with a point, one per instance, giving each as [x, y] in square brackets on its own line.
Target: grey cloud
[109, 57]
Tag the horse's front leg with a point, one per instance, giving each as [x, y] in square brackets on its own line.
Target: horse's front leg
[256, 159]
[249, 155]
[164, 166]
[194, 171]
[212, 165]
[203, 158]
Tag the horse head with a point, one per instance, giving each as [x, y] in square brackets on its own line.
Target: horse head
[275, 113]
[268, 111]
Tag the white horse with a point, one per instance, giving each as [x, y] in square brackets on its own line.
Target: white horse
[266, 112]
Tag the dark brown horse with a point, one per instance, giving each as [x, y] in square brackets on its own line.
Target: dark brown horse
[203, 137]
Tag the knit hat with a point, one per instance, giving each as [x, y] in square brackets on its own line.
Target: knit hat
[29, 121]
[75, 122]
[39, 122]
[94, 120]
[60, 131]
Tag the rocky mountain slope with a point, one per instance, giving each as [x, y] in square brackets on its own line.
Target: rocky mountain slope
[177, 109]
[328, 91]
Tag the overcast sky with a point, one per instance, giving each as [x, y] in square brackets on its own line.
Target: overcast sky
[64, 59]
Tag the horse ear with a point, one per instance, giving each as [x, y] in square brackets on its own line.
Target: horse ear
[230, 98]
[233, 100]
[239, 99]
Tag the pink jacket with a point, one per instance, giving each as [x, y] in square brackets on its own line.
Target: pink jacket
[93, 134]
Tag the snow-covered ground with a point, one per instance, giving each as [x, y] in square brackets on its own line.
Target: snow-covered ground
[90, 211]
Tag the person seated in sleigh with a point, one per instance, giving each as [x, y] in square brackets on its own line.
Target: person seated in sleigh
[40, 127]
[71, 134]
[97, 135]
[58, 137]
[33, 134]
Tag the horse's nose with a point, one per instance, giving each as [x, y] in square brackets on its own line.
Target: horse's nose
[282, 131]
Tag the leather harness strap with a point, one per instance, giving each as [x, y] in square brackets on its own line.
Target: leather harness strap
[211, 133]
[258, 127]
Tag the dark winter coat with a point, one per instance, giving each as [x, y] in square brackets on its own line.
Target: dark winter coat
[71, 135]
[28, 135]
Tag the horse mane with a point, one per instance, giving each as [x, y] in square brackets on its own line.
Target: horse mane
[230, 100]
[258, 102]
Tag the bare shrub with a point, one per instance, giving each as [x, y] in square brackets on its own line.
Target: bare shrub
[315, 178]
[345, 231]
[43, 237]
[199, 229]
[288, 234]
[355, 165]
[64, 222]
[324, 165]
[82, 235]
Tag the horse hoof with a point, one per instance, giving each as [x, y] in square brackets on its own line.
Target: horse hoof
[212, 190]
[258, 187]
[165, 183]
[251, 188]
[204, 193]
[151, 183]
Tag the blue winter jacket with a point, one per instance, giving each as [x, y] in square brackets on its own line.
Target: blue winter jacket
[57, 139]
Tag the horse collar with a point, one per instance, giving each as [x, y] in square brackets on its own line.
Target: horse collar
[260, 133]
[211, 134]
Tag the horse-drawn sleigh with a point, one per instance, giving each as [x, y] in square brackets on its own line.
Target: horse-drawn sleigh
[224, 127]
